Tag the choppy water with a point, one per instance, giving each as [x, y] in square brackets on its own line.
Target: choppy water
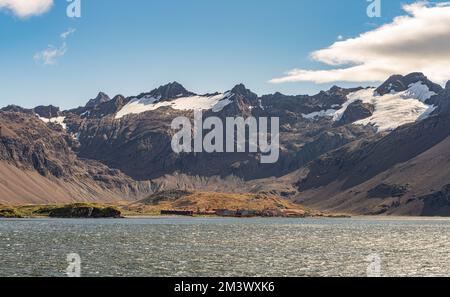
[225, 247]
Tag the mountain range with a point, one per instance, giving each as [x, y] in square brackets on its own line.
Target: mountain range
[367, 151]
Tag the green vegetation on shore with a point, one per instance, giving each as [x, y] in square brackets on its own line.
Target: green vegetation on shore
[8, 212]
[76, 210]
[173, 203]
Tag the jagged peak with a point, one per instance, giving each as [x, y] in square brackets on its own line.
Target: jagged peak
[399, 83]
[102, 95]
[241, 89]
[416, 75]
[334, 88]
[49, 111]
[244, 95]
[118, 97]
[168, 91]
[101, 98]
[16, 108]
[447, 86]
[174, 84]
[47, 106]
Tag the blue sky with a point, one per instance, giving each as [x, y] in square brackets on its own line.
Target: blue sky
[130, 46]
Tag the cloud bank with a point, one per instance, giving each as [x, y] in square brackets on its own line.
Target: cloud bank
[417, 41]
[26, 8]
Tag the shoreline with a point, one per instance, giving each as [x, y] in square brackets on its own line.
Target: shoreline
[109, 211]
[98, 210]
[137, 217]
[156, 217]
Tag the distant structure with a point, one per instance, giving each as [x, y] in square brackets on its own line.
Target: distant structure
[177, 212]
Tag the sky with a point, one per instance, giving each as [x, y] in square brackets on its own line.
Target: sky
[291, 46]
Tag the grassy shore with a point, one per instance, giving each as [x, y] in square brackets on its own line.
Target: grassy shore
[95, 210]
[76, 210]
[198, 204]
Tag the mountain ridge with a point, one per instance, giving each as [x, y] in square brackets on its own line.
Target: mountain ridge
[327, 143]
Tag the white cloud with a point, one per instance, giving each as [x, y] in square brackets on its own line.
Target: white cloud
[417, 41]
[50, 55]
[69, 32]
[26, 8]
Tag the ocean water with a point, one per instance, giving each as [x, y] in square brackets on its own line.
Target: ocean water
[227, 247]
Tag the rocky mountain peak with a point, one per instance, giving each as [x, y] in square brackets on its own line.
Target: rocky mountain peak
[169, 91]
[334, 89]
[101, 98]
[242, 102]
[240, 89]
[447, 86]
[245, 94]
[16, 108]
[48, 112]
[118, 97]
[399, 83]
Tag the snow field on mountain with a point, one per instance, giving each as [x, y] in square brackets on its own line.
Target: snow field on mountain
[57, 120]
[391, 110]
[215, 103]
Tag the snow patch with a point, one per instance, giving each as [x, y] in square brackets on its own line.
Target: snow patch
[222, 103]
[319, 114]
[419, 91]
[391, 110]
[394, 109]
[260, 104]
[85, 114]
[215, 102]
[57, 120]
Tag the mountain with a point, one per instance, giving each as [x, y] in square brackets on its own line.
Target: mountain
[399, 83]
[37, 165]
[101, 98]
[358, 150]
[46, 112]
[167, 92]
[141, 129]
[395, 174]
